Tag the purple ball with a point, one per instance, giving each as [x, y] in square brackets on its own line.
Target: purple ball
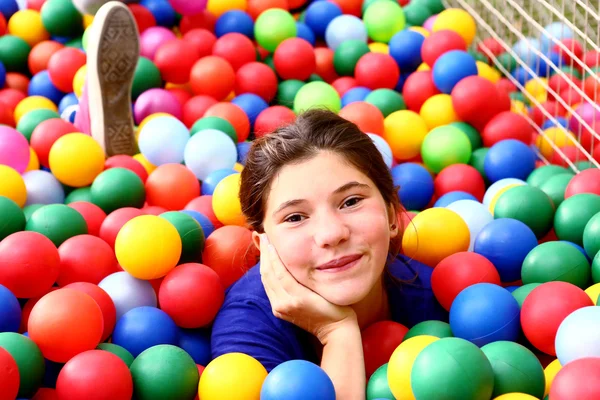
[588, 113]
[156, 101]
[428, 24]
[14, 149]
[152, 38]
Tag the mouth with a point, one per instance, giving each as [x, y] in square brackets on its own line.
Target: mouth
[340, 264]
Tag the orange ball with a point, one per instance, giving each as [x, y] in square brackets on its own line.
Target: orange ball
[325, 68]
[212, 76]
[235, 115]
[366, 116]
[229, 251]
[40, 55]
[64, 323]
[15, 80]
[171, 186]
[256, 7]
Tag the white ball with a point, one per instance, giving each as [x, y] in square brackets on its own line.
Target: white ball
[578, 336]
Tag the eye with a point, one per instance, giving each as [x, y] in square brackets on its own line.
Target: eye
[351, 202]
[294, 218]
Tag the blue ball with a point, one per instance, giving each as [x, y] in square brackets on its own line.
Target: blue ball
[562, 121]
[319, 14]
[251, 104]
[51, 373]
[304, 32]
[416, 185]
[405, 48]
[355, 94]
[242, 149]
[451, 68]
[67, 101]
[506, 242]
[196, 342]
[509, 159]
[484, 313]
[8, 8]
[512, 288]
[235, 21]
[213, 179]
[526, 48]
[162, 10]
[2, 74]
[203, 220]
[10, 311]
[401, 81]
[144, 327]
[557, 31]
[345, 27]
[40, 85]
[451, 197]
[297, 380]
[522, 75]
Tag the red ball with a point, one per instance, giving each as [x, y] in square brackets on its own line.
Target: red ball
[63, 65]
[230, 252]
[459, 177]
[324, 64]
[256, 7]
[591, 86]
[592, 58]
[571, 95]
[441, 42]
[587, 181]
[544, 310]
[417, 89]
[559, 82]
[295, 58]
[45, 394]
[352, 7]
[40, 55]
[202, 20]
[212, 76]
[235, 115]
[35, 4]
[377, 71]
[192, 295]
[492, 45]
[6, 114]
[272, 118]
[379, 342]
[113, 223]
[46, 133]
[256, 78]
[143, 17]
[15, 80]
[153, 210]
[181, 94]
[10, 379]
[579, 379]
[459, 271]
[175, 59]
[506, 85]
[475, 100]
[172, 186]
[552, 107]
[236, 48]
[203, 204]
[85, 258]
[104, 301]
[94, 216]
[26, 311]
[127, 162]
[507, 125]
[570, 153]
[195, 108]
[11, 97]
[64, 323]
[202, 40]
[366, 116]
[588, 137]
[95, 374]
[29, 264]
[343, 84]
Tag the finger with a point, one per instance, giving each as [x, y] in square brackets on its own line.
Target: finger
[271, 283]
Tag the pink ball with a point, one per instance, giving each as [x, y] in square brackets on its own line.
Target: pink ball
[156, 101]
[588, 113]
[152, 38]
[14, 149]
[429, 23]
[188, 7]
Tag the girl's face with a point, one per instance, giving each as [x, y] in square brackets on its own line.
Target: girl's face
[330, 226]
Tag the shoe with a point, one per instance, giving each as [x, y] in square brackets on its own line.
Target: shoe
[112, 56]
[91, 7]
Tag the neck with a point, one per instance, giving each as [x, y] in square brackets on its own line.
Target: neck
[374, 307]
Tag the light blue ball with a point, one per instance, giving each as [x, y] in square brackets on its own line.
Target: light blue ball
[451, 197]
[68, 100]
[578, 336]
[345, 27]
[297, 380]
[203, 220]
[242, 149]
[527, 48]
[557, 31]
[355, 94]
[212, 180]
[43, 188]
[128, 292]
[319, 15]
[163, 140]
[384, 148]
[491, 192]
[475, 215]
[252, 105]
[451, 68]
[209, 150]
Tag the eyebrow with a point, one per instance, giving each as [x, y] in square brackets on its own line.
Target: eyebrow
[341, 189]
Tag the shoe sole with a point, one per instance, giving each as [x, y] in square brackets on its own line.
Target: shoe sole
[113, 53]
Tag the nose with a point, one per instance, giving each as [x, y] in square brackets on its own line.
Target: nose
[330, 229]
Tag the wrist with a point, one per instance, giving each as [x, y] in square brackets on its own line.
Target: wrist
[341, 330]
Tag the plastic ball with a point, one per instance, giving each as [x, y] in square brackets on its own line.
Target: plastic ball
[235, 115]
[387, 100]
[103, 300]
[29, 360]
[76, 159]
[417, 89]
[192, 238]
[366, 116]
[378, 387]
[14, 218]
[476, 101]
[10, 379]
[115, 188]
[457, 20]
[175, 59]
[235, 21]
[163, 140]
[272, 27]
[567, 382]
[318, 15]
[343, 28]
[347, 55]
[556, 261]
[10, 311]
[405, 47]
[152, 38]
[383, 20]
[435, 328]
[415, 183]
[128, 292]
[529, 205]
[297, 379]
[379, 342]
[317, 94]
[587, 181]
[460, 177]
[509, 159]
[248, 77]
[213, 179]
[555, 187]
[236, 49]
[40, 85]
[439, 43]
[377, 71]
[354, 95]
[384, 149]
[188, 8]
[43, 188]
[32, 119]
[452, 67]
[75, 255]
[171, 186]
[244, 376]
[475, 215]
[27, 25]
[226, 204]
[590, 236]
[63, 65]
[573, 214]
[294, 58]
[154, 101]
[127, 162]
[507, 125]
[252, 105]
[405, 131]
[209, 150]
[273, 118]
[14, 149]
[445, 146]
[438, 111]
[12, 186]
[577, 336]
[14, 53]
[57, 222]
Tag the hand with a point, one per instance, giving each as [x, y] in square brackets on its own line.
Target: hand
[294, 302]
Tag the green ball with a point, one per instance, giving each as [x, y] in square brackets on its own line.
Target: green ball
[387, 100]
[14, 53]
[287, 91]
[30, 209]
[596, 269]
[519, 96]
[146, 77]
[540, 175]
[314, 78]
[555, 187]
[573, 215]
[272, 27]
[86, 38]
[435, 6]
[29, 359]
[118, 351]
[471, 132]
[478, 56]
[75, 43]
[507, 61]
[378, 387]
[477, 160]
[57, 222]
[13, 217]
[416, 13]
[116, 188]
[438, 329]
[79, 194]
[591, 236]
[583, 165]
[164, 372]
[61, 18]
[192, 236]
[522, 292]
[317, 95]
[383, 19]
[32, 119]
[452, 369]
[516, 369]
[367, 4]
[529, 205]
[346, 56]
[444, 146]
[217, 123]
[270, 62]
[567, 69]
[556, 261]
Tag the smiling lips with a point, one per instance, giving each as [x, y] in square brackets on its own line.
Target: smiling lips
[341, 263]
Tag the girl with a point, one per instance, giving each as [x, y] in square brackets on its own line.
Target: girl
[324, 211]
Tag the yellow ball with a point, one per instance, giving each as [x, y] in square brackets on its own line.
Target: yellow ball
[12, 185]
[34, 162]
[232, 376]
[87, 20]
[76, 159]
[33, 103]
[218, 7]
[226, 203]
[148, 247]
[377, 47]
[557, 135]
[423, 67]
[79, 81]
[516, 396]
[401, 363]
[238, 167]
[420, 30]
[457, 20]
[487, 72]
[498, 194]
[148, 166]
[537, 87]
[518, 107]
[435, 234]
[594, 291]
[550, 372]
[27, 24]
[405, 131]
[148, 119]
[438, 110]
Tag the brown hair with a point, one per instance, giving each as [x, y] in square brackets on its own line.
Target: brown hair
[312, 132]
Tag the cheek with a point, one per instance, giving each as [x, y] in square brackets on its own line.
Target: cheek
[294, 248]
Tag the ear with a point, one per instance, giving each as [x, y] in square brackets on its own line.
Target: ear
[393, 219]
[256, 239]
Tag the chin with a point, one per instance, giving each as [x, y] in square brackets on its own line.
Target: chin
[344, 295]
